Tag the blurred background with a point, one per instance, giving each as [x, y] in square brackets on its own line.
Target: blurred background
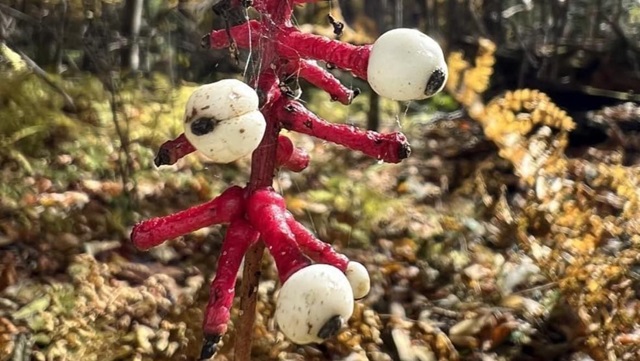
[470, 258]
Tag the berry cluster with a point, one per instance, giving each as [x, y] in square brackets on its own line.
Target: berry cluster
[229, 119]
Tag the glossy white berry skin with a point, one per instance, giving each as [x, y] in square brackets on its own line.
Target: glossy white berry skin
[222, 120]
[358, 278]
[314, 303]
[405, 64]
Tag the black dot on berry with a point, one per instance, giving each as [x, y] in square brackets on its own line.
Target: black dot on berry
[202, 126]
[435, 82]
[331, 327]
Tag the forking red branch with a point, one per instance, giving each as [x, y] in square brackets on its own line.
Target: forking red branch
[227, 120]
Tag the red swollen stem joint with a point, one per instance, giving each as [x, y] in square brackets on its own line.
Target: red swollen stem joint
[266, 212]
[290, 157]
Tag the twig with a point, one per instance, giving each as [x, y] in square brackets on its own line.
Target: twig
[68, 101]
[124, 174]
[19, 15]
[618, 30]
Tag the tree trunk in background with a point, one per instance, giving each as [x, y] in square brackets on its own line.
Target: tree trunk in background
[132, 20]
[564, 44]
[384, 15]
[63, 8]
[44, 39]
[373, 115]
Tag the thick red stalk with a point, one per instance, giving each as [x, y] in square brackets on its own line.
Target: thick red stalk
[239, 236]
[172, 150]
[268, 88]
[391, 148]
[219, 39]
[280, 11]
[314, 248]
[354, 58]
[266, 211]
[263, 160]
[222, 209]
[321, 78]
[295, 45]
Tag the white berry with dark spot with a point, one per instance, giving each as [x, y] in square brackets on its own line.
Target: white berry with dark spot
[222, 120]
[358, 277]
[314, 303]
[406, 64]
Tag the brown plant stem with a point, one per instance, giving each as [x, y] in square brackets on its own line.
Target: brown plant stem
[248, 292]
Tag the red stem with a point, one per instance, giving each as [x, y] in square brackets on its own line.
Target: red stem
[317, 250]
[266, 211]
[268, 88]
[222, 209]
[294, 44]
[391, 148]
[172, 150]
[279, 10]
[263, 160]
[321, 78]
[219, 39]
[239, 236]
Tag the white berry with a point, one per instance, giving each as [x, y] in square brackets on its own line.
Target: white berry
[406, 64]
[314, 303]
[358, 277]
[222, 120]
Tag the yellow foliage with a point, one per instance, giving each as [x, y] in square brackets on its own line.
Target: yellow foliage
[467, 83]
[525, 124]
[576, 209]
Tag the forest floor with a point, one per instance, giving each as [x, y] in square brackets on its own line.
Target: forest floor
[455, 241]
